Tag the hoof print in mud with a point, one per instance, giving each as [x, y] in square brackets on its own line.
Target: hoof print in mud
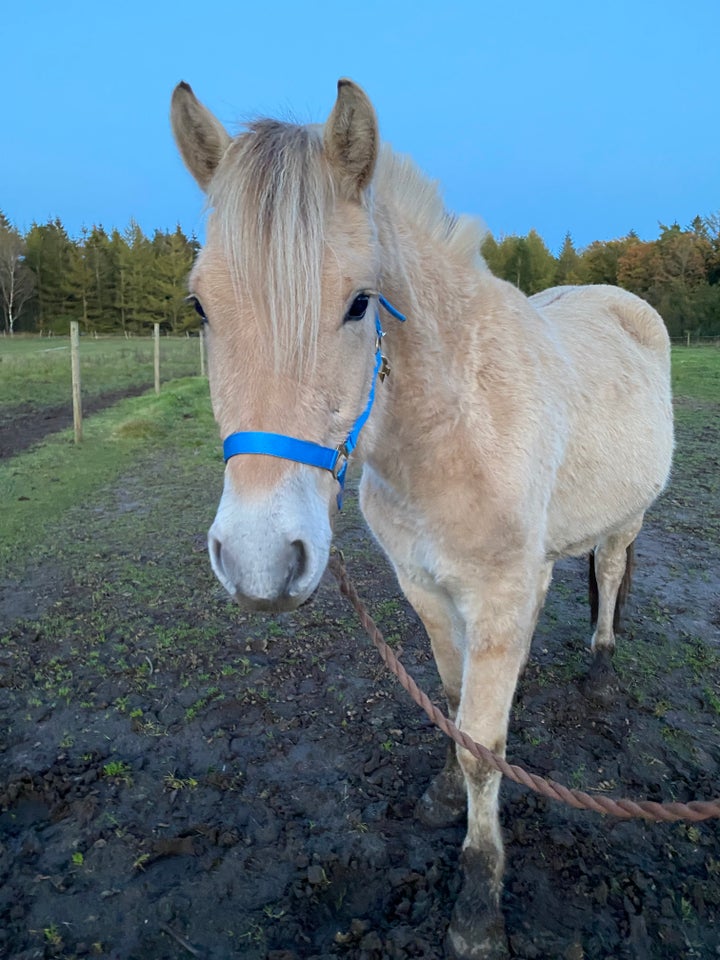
[435, 813]
[444, 803]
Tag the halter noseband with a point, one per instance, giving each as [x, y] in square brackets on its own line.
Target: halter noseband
[334, 459]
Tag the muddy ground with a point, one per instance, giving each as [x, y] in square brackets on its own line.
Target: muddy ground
[178, 779]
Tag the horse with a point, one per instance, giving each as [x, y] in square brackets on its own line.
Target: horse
[511, 431]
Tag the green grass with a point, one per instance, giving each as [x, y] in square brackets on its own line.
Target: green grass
[695, 479]
[696, 372]
[36, 370]
[38, 486]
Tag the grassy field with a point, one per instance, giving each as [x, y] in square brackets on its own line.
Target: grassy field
[36, 371]
[696, 372]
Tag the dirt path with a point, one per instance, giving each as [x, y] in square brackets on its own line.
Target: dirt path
[21, 430]
[178, 779]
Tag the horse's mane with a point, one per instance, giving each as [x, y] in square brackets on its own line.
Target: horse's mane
[399, 182]
[272, 196]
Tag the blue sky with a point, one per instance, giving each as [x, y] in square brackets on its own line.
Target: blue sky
[589, 118]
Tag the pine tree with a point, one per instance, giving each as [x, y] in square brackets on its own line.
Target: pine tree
[120, 259]
[173, 261]
[541, 265]
[79, 280]
[568, 269]
[101, 295]
[50, 254]
[137, 267]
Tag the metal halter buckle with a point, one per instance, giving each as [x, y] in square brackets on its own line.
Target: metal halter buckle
[343, 457]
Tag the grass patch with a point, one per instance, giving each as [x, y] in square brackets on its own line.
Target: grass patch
[696, 372]
[142, 428]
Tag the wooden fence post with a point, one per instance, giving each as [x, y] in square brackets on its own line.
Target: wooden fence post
[156, 338]
[75, 367]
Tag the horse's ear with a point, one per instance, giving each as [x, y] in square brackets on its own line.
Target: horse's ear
[351, 140]
[201, 138]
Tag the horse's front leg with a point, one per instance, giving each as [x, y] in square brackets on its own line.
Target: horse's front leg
[444, 802]
[498, 638]
[396, 529]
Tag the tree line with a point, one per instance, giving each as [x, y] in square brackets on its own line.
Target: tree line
[679, 273]
[125, 282]
[110, 283]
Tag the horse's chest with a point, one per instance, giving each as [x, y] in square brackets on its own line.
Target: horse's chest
[404, 532]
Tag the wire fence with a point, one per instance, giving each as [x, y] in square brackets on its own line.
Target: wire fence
[37, 370]
[690, 340]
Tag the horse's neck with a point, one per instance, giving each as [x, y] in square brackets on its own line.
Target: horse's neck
[427, 352]
[426, 280]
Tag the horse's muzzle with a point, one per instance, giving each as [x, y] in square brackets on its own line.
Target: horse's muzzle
[283, 581]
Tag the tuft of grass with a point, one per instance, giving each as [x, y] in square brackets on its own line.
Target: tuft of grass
[172, 782]
[140, 429]
[118, 771]
[52, 936]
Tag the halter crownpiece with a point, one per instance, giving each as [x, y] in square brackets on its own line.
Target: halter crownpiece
[334, 459]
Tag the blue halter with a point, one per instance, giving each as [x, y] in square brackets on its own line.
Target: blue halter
[334, 459]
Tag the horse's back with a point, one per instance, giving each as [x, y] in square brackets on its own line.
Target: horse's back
[619, 442]
[615, 342]
[593, 305]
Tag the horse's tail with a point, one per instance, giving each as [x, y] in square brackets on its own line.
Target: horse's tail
[623, 591]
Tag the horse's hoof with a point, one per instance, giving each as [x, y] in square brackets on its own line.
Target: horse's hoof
[476, 940]
[444, 803]
[477, 928]
[601, 683]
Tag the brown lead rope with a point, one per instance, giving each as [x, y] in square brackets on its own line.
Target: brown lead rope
[625, 809]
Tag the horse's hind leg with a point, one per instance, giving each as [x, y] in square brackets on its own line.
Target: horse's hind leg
[611, 566]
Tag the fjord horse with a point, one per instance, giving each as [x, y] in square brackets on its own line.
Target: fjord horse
[511, 432]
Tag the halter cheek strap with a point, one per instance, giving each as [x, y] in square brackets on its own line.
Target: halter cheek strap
[334, 459]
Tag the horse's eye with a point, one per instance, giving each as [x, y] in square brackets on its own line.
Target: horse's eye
[358, 307]
[198, 308]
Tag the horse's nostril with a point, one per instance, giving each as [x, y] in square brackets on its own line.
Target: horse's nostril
[299, 560]
[215, 550]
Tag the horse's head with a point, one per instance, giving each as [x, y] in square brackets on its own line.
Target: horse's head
[288, 283]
